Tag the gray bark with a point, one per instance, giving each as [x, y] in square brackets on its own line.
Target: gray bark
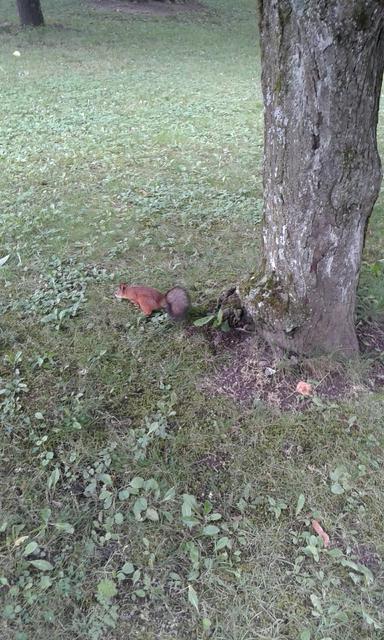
[322, 67]
[30, 13]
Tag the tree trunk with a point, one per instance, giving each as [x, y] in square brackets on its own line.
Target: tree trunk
[322, 67]
[30, 13]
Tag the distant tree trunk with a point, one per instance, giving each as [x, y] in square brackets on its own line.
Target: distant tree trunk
[30, 13]
[322, 67]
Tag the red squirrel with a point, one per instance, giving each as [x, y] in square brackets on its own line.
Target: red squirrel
[175, 301]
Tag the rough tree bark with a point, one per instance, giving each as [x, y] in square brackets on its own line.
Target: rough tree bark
[30, 13]
[322, 67]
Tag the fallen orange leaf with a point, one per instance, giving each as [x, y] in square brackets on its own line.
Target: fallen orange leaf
[304, 388]
[320, 532]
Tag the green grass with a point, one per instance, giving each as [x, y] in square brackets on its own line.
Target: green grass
[131, 150]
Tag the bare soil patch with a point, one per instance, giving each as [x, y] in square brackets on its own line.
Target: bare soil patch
[253, 374]
[148, 7]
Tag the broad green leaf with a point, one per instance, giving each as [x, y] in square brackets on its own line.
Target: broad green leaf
[214, 516]
[169, 495]
[359, 568]
[190, 521]
[350, 564]
[210, 530]
[367, 573]
[42, 565]
[124, 494]
[151, 485]
[45, 515]
[316, 602]
[222, 543]
[107, 498]
[53, 478]
[137, 482]
[341, 616]
[189, 504]
[127, 568]
[136, 576]
[90, 489]
[45, 582]
[152, 514]
[139, 506]
[337, 489]
[337, 473]
[335, 553]
[30, 548]
[64, 526]
[194, 554]
[313, 550]
[107, 589]
[200, 322]
[193, 598]
[106, 479]
[300, 503]
[207, 507]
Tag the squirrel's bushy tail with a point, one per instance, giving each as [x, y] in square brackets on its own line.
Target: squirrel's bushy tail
[177, 302]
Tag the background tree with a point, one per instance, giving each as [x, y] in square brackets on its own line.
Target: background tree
[322, 67]
[30, 13]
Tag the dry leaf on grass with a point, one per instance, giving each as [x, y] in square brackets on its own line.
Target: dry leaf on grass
[304, 388]
[320, 532]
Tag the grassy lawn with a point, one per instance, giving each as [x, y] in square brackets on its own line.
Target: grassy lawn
[135, 503]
